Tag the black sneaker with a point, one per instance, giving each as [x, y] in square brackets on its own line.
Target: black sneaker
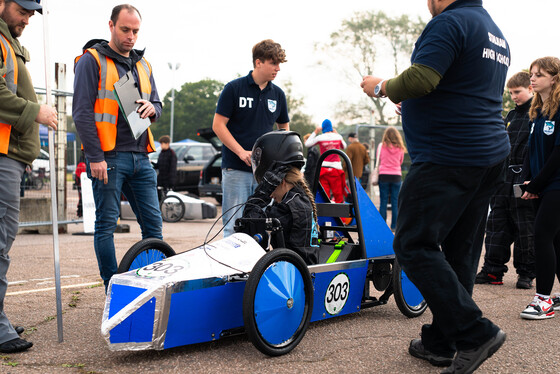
[15, 345]
[524, 282]
[417, 350]
[466, 362]
[487, 278]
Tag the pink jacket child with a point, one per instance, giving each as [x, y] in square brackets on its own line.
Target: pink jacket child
[390, 159]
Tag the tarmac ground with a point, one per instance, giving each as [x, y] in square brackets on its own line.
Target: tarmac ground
[370, 341]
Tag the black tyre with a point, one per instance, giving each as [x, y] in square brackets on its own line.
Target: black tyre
[278, 302]
[410, 301]
[172, 209]
[38, 183]
[145, 252]
[218, 199]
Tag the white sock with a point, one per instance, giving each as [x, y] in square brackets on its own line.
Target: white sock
[546, 297]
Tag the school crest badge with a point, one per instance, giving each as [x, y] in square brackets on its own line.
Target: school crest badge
[272, 105]
[548, 127]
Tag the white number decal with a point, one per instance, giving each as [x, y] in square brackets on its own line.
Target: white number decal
[159, 269]
[337, 294]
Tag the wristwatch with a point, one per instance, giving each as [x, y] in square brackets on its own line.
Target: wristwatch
[377, 90]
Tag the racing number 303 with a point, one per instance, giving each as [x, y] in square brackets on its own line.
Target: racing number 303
[161, 269]
[337, 294]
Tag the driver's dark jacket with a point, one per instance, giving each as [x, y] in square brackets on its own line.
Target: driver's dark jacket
[294, 212]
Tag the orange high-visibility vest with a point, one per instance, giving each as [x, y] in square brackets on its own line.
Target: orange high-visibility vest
[106, 109]
[11, 77]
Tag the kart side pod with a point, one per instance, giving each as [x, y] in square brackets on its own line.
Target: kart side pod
[185, 299]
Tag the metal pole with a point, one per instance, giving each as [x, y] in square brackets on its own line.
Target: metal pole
[75, 154]
[46, 44]
[172, 113]
[372, 155]
[61, 146]
[173, 70]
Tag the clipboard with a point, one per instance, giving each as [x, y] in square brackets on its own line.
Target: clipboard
[126, 93]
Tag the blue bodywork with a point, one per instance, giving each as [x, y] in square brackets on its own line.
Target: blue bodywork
[201, 310]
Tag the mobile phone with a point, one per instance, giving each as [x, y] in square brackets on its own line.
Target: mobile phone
[519, 189]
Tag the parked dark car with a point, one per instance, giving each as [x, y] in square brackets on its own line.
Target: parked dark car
[191, 158]
[211, 175]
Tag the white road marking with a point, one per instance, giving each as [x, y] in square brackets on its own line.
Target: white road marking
[52, 288]
[41, 279]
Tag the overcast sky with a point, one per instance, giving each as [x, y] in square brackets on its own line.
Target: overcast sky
[213, 38]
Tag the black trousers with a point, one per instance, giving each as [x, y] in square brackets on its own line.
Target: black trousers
[510, 222]
[547, 241]
[440, 229]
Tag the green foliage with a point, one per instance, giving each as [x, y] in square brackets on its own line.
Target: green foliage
[507, 103]
[79, 365]
[195, 104]
[360, 39]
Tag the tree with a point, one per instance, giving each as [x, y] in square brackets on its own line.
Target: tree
[195, 104]
[359, 40]
[299, 121]
[507, 103]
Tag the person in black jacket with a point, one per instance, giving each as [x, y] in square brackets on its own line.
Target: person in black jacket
[167, 165]
[277, 158]
[311, 162]
[511, 219]
[542, 184]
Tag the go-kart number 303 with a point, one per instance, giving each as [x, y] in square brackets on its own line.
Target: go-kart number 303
[159, 269]
[337, 294]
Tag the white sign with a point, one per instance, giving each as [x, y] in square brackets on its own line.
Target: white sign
[88, 204]
[337, 294]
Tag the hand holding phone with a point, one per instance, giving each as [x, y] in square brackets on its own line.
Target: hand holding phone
[519, 189]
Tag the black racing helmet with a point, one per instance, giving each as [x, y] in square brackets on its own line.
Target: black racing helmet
[276, 148]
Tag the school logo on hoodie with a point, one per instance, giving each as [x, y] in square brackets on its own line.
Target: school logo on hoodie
[548, 127]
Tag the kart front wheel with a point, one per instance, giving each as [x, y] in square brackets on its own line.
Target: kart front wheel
[278, 302]
[143, 253]
[409, 300]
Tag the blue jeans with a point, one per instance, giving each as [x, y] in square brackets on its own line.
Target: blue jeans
[133, 175]
[384, 189]
[442, 215]
[237, 186]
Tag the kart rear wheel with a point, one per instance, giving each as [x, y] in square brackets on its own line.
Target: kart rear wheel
[172, 209]
[410, 301]
[278, 302]
[145, 252]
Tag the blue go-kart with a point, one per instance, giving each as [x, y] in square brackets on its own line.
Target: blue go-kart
[162, 300]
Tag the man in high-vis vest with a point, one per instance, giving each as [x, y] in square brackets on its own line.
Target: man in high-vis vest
[116, 161]
[19, 141]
